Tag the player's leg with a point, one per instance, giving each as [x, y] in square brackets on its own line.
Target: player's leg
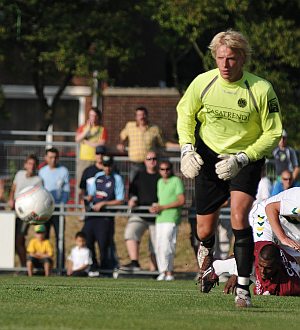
[206, 226]
[244, 245]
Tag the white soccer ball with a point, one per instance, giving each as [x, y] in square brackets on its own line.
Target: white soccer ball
[34, 204]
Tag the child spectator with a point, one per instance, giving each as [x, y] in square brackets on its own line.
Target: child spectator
[80, 259]
[40, 252]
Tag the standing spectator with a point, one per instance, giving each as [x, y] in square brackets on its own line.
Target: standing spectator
[264, 188]
[142, 137]
[90, 135]
[240, 124]
[170, 192]
[286, 182]
[142, 192]
[23, 178]
[40, 252]
[80, 259]
[91, 170]
[285, 158]
[106, 188]
[56, 180]
[88, 173]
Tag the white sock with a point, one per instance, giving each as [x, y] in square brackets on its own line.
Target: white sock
[225, 266]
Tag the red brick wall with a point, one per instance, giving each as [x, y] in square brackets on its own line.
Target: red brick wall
[119, 106]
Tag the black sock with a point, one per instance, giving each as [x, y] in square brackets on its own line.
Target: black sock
[243, 252]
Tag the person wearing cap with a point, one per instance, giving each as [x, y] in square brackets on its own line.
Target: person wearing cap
[91, 170]
[90, 135]
[106, 188]
[285, 158]
[277, 266]
[40, 252]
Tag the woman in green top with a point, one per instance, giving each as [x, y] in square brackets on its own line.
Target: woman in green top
[170, 193]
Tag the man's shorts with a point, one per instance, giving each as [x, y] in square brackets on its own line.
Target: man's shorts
[211, 192]
[39, 263]
[136, 228]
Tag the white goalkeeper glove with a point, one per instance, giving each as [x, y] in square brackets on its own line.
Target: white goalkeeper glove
[230, 165]
[191, 161]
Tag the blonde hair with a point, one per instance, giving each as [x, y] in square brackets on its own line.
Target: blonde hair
[232, 39]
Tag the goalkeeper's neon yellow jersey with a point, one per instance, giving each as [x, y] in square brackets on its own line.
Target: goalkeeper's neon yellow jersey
[239, 116]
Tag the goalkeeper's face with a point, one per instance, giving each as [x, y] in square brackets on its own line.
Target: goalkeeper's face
[230, 63]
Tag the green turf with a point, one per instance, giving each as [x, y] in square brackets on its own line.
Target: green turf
[69, 303]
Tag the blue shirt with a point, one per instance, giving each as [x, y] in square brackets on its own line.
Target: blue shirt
[119, 191]
[56, 181]
[278, 187]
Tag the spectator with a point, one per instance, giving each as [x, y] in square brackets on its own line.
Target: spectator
[170, 192]
[142, 192]
[264, 188]
[286, 182]
[142, 137]
[88, 173]
[40, 252]
[285, 158]
[106, 188]
[80, 259]
[23, 178]
[90, 135]
[56, 180]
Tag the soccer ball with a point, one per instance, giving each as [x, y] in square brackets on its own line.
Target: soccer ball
[34, 204]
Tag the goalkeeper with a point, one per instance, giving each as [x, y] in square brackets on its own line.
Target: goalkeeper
[228, 121]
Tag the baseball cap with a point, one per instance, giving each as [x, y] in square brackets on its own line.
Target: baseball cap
[107, 160]
[39, 228]
[100, 150]
[284, 133]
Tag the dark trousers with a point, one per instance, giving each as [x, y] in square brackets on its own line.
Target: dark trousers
[101, 230]
[54, 221]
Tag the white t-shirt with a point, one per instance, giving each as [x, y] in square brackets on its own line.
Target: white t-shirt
[264, 189]
[80, 257]
[22, 181]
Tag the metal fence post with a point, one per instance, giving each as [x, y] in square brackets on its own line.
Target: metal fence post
[61, 239]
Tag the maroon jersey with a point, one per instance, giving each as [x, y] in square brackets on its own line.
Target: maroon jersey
[286, 282]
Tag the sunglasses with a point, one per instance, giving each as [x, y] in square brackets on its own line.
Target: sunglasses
[287, 179]
[151, 158]
[165, 169]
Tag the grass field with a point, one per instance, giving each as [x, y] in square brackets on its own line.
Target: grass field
[70, 303]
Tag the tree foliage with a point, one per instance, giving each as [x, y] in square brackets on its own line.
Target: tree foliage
[57, 40]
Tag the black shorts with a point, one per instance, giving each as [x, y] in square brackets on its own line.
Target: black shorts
[39, 263]
[211, 192]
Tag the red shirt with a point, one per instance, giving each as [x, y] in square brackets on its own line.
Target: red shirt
[286, 281]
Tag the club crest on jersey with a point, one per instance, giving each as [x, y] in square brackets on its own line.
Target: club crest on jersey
[242, 103]
[273, 106]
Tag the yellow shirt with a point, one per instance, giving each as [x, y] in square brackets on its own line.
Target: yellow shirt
[37, 246]
[238, 116]
[96, 133]
[140, 141]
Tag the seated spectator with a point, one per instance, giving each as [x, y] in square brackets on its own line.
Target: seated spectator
[80, 259]
[170, 193]
[142, 191]
[106, 188]
[40, 252]
[23, 178]
[286, 182]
